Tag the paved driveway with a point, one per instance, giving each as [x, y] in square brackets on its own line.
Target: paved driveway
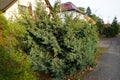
[108, 67]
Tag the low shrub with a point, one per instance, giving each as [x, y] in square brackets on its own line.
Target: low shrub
[9, 33]
[14, 64]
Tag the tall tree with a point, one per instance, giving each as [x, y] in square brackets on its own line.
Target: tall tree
[99, 23]
[113, 30]
[88, 12]
[115, 26]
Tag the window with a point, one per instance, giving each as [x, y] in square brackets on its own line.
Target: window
[22, 9]
[25, 9]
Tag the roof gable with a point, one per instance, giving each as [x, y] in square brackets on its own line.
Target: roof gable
[5, 4]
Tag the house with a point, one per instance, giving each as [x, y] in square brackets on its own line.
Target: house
[12, 8]
[70, 8]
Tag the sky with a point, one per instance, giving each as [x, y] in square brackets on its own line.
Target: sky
[106, 9]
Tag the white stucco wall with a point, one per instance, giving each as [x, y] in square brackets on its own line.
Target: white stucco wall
[74, 14]
[13, 10]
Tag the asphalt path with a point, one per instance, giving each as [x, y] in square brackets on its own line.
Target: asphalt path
[108, 67]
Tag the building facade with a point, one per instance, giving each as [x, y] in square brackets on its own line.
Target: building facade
[13, 8]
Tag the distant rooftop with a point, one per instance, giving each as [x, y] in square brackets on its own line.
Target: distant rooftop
[69, 6]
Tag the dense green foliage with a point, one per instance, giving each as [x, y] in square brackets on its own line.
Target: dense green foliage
[104, 30]
[59, 48]
[99, 23]
[113, 30]
[14, 65]
[82, 10]
[119, 26]
[9, 32]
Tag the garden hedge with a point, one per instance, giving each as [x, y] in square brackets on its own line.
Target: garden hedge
[14, 64]
[59, 48]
